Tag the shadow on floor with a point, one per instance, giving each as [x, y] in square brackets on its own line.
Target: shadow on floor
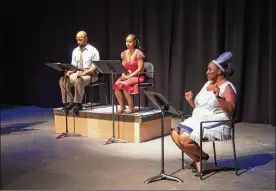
[19, 127]
[245, 163]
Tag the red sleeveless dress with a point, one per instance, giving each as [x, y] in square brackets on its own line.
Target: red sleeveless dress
[131, 84]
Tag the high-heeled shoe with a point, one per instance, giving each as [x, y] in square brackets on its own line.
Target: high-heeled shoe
[204, 163]
[192, 166]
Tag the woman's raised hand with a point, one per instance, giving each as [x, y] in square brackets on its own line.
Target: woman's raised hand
[189, 95]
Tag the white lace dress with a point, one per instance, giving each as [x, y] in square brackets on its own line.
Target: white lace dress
[207, 108]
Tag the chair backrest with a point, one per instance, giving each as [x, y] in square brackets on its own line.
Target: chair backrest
[149, 67]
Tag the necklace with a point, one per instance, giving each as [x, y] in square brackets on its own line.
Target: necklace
[129, 55]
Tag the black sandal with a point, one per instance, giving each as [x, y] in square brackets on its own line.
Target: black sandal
[204, 163]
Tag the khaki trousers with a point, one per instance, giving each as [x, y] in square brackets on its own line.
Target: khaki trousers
[79, 83]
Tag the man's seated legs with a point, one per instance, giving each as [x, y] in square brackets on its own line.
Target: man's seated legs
[79, 84]
[69, 102]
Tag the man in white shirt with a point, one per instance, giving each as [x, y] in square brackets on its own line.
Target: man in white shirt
[82, 57]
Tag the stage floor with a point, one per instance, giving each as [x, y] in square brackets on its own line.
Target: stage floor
[32, 158]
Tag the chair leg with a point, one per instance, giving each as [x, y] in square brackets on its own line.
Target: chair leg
[85, 99]
[201, 152]
[91, 97]
[183, 160]
[139, 100]
[235, 157]
[139, 97]
[215, 156]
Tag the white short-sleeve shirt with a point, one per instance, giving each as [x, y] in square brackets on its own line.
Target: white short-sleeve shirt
[89, 54]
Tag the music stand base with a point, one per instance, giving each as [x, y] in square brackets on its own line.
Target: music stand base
[162, 176]
[66, 134]
[114, 140]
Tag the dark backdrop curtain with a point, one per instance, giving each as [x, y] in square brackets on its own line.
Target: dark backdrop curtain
[180, 37]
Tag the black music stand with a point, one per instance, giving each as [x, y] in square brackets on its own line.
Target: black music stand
[161, 103]
[111, 67]
[64, 68]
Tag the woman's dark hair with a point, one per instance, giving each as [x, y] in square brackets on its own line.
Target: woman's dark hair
[227, 71]
[137, 44]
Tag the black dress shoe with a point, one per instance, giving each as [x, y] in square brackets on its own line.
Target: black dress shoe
[69, 106]
[77, 107]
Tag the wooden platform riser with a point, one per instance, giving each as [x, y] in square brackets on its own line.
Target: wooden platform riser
[100, 128]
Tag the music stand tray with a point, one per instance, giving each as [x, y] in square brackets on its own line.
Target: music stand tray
[111, 67]
[61, 67]
[161, 103]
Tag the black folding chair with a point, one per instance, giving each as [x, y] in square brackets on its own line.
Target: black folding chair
[149, 80]
[99, 82]
[231, 123]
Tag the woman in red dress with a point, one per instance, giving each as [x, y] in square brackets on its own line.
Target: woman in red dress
[127, 84]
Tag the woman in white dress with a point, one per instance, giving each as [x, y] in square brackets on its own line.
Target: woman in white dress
[215, 101]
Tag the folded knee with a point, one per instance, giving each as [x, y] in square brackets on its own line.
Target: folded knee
[117, 91]
[79, 81]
